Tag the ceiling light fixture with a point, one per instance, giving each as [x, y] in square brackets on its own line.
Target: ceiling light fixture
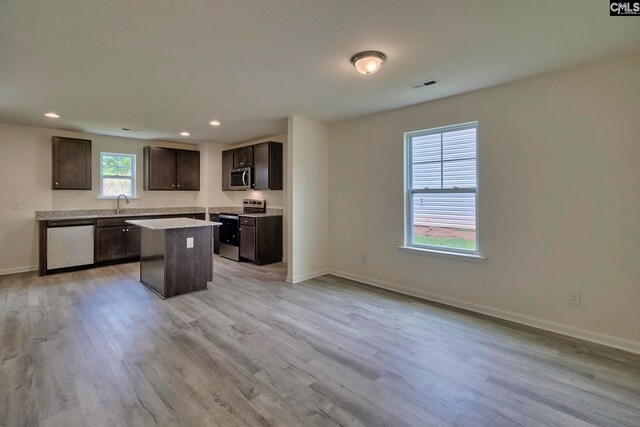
[52, 115]
[185, 133]
[214, 123]
[368, 62]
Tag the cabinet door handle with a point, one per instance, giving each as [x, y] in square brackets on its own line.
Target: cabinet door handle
[124, 229]
[178, 185]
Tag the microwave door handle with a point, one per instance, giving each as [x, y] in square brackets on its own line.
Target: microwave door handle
[244, 174]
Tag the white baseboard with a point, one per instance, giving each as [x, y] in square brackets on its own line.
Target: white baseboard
[14, 270]
[303, 277]
[608, 340]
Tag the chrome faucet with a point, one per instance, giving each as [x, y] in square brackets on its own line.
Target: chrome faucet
[118, 210]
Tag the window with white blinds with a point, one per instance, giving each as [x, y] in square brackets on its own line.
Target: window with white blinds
[441, 188]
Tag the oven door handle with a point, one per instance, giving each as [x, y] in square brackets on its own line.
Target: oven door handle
[236, 218]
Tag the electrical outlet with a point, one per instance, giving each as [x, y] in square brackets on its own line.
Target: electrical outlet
[575, 297]
[189, 242]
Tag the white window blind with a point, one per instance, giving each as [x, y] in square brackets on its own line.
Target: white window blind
[442, 187]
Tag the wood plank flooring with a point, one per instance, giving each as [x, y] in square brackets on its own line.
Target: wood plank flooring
[96, 348]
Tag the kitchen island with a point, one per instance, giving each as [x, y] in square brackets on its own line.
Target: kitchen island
[176, 255]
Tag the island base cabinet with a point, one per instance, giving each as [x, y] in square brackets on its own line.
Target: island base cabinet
[176, 261]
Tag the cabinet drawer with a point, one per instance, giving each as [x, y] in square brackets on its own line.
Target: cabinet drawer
[111, 222]
[247, 221]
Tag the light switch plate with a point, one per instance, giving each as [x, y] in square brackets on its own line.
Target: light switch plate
[189, 242]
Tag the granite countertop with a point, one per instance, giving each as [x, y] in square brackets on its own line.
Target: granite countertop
[171, 223]
[111, 213]
[239, 211]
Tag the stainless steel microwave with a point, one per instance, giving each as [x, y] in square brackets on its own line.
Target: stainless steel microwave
[240, 179]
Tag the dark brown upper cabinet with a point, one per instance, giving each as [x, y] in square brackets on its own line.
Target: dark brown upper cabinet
[266, 160]
[159, 168]
[243, 157]
[188, 170]
[171, 169]
[71, 165]
[227, 165]
[267, 166]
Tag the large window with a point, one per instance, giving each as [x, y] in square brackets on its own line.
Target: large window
[441, 188]
[117, 174]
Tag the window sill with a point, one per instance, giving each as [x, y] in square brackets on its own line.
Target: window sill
[115, 197]
[444, 254]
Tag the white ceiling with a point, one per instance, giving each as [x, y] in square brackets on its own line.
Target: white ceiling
[163, 66]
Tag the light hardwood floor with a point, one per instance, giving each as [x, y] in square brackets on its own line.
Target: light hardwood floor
[96, 348]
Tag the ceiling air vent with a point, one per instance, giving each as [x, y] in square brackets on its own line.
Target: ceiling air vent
[424, 84]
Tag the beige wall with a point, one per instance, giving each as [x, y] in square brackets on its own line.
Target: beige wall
[25, 187]
[308, 198]
[559, 202]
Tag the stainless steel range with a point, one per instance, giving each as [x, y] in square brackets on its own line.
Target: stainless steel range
[230, 228]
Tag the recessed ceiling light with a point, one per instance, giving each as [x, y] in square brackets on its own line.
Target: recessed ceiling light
[185, 133]
[52, 115]
[214, 123]
[368, 62]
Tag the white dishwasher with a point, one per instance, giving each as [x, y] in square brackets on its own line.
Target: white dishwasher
[69, 244]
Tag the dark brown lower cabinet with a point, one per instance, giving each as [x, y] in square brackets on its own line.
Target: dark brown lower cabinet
[132, 239]
[248, 242]
[110, 243]
[115, 242]
[261, 239]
